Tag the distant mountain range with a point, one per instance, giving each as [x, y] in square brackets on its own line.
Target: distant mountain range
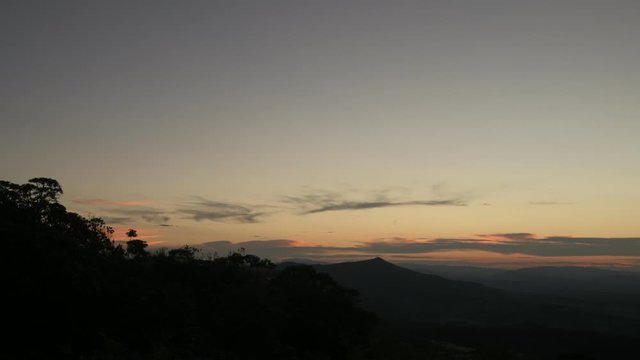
[547, 279]
[399, 294]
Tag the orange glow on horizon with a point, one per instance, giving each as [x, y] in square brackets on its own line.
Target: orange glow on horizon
[486, 258]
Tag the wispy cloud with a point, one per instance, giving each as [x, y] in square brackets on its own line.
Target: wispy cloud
[133, 215]
[324, 201]
[508, 236]
[118, 220]
[313, 202]
[126, 212]
[105, 202]
[517, 244]
[354, 205]
[150, 215]
[549, 203]
[155, 243]
[523, 243]
[204, 209]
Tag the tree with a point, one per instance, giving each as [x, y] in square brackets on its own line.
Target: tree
[44, 190]
[186, 253]
[136, 248]
[319, 315]
[63, 269]
[132, 234]
[38, 197]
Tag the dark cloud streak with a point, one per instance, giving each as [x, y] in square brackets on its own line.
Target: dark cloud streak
[117, 220]
[550, 246]
[324, 201]
[205, 209]
[149, 215]
[519, 243]
[352, 205]
[543, 203]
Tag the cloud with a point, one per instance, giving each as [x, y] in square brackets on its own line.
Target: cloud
[147, 214]
[518, 243]
[105, 202]
[549, 203]
[324, 201]
[215, 215]
[129, 216]
[508, 236]
[318, 201]
[205, 209]
[352, 205]
[508, 244]
[117, 220]
[155, 243]
[313, 199]
[126, 212]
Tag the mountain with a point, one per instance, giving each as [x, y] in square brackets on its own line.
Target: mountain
[455, 272]
[399, 294]
[402, 294]
[543, 279]
[552, 279]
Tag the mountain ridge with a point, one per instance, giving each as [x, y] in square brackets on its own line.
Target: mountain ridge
[402, 294]
[399, 294]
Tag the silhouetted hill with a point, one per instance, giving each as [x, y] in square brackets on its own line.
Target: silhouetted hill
[566, 278]
[421, 308]
[402, 294]
[294, 262]
[543, 279]
[455, 272]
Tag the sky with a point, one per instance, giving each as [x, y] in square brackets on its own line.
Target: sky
[502, 133]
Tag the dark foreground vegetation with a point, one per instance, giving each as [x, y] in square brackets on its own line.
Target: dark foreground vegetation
[71, 292]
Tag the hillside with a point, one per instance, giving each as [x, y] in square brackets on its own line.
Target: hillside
[542, 279]
[420, 308]
[402, 294]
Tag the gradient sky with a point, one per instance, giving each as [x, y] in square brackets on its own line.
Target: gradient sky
[335, 124]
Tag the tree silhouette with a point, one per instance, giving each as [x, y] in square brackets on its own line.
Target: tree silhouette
[320, 315]
[64, 272]
[44, 190]
[137, 248]
[186, 253]
[132, 234]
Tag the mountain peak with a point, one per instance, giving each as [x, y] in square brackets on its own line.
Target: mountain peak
[372, 266]
[374, 261]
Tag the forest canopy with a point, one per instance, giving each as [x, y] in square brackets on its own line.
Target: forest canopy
[76, 293]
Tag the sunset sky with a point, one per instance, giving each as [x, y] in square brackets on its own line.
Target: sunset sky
[499, 133]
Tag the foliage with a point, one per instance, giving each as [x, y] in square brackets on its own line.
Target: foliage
[137, 248]
[76, 294]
